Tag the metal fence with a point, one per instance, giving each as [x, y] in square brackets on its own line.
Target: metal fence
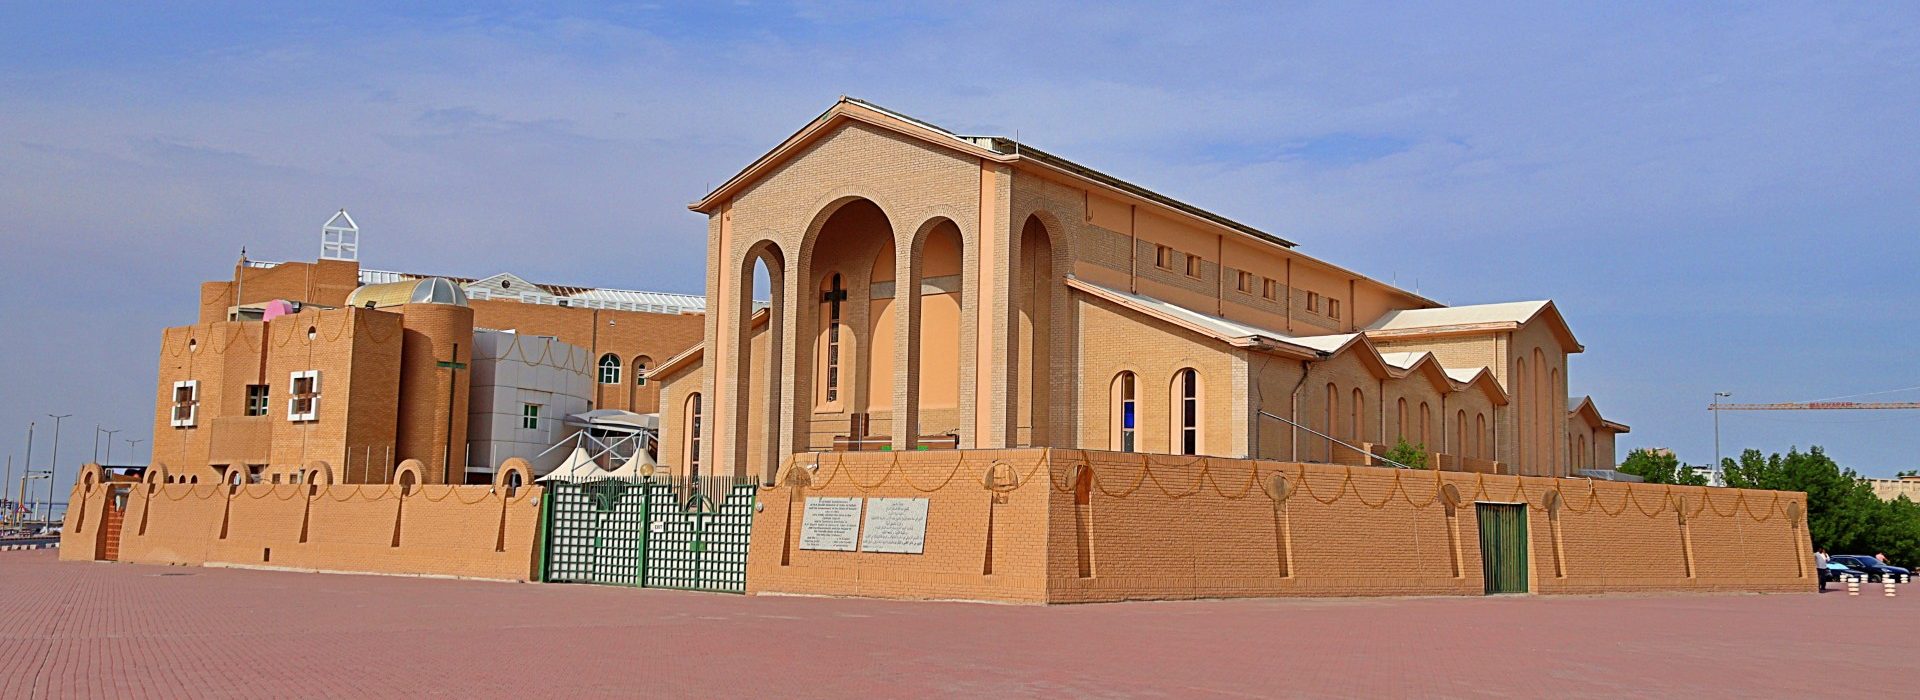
[658, 533]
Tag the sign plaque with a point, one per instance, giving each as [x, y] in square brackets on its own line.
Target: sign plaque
[830, 523]
[896, 525]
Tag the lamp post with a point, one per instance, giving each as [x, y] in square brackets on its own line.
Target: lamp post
[109, 447]
[22, 495]
[133, 447]
[46, 517]
[55, 464]
[1717, 396]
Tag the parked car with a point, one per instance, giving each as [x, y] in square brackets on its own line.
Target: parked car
[1871, 567]
[1837, 572]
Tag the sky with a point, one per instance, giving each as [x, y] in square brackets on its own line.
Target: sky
[1720, 197]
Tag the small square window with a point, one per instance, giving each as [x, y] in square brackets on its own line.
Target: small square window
[1313, 302]
[303, 396]
[186, 403]
[1333, 309]
[1163, 257]
[1244, 282]
[257, 400]
[1269, 289]
[1193, 266]
[530, 416]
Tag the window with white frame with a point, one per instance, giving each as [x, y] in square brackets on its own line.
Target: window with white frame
[186, 403]
[530, 416]
[303, 396]
[609, 369]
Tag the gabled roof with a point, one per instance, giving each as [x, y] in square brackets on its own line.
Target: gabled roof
[1584, 409]
[997, 149]
[1475, 318]
[1484, 379]
[1233, 333]
[1422, 363]
[1311, 347]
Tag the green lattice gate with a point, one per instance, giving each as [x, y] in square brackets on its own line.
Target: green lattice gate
[645, 533]
[596, 532]
[702, 545]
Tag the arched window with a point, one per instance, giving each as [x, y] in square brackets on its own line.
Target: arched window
[1480, 436]
[1459, 446]
[609, 369]
[640, 365]
[1358, 432]
[832, 297]
[1400, 419]
[1125, 411]
[692, 457]
[1426, 426]
[1186, 396]
[1327, 427]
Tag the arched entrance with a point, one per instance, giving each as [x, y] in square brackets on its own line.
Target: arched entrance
[844, 375]
[758, 334]
[1033, 295]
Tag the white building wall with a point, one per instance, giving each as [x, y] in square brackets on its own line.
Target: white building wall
[511, 370]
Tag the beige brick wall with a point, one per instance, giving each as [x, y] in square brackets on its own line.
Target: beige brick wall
[1148, 527]
[467, 531]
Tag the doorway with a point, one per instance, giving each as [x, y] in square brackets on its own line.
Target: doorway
[1503, 547]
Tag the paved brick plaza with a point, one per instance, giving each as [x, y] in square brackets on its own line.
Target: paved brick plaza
[108, 630]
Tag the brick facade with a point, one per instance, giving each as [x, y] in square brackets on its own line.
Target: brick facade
[1072, 526]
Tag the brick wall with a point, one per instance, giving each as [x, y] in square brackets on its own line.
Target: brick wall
[467, 531]
[1073, 526]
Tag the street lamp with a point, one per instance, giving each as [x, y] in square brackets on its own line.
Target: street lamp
[55, 464]
[31, 475]
[109, 447]
[133, 447]
[1717, 396]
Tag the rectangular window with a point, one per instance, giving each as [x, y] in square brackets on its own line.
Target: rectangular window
[1193, 266]
[303, 396]
[1333, 309]
[1269, 289]
[1163, 257]
[257, 401]
[1313, 302]
[530, 416]
[186, 403]
[1244, 282]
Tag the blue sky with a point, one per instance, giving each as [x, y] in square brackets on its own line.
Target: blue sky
[1719, 197]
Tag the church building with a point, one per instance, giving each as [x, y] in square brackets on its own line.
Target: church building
[876, 282]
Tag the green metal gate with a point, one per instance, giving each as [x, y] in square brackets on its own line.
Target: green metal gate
[596, 532]
[1503, 546]
[656, 534]
[703, 545]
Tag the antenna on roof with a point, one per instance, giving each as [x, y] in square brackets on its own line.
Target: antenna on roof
[340, 238]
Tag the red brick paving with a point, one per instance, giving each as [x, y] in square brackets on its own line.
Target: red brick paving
[71, 629]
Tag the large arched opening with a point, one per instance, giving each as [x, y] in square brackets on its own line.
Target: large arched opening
[758, 332]
[844, 382]
[1033, 297]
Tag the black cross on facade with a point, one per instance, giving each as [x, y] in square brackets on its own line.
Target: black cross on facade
[833, 297]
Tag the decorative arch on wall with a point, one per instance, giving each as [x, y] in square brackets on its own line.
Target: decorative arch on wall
[409, 475]
[1035, 287]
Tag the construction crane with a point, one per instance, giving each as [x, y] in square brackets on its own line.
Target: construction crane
[1813, 406]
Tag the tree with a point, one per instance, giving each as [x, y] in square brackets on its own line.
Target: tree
[1660, 467]
[1843, 514]
[1908, 472]
[1411, 455]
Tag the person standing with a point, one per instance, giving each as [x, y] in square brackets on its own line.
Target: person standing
[1820, 561]
[1882, 557]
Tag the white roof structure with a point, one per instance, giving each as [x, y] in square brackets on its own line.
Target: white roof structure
[1477, 314]
[580, 467]
[519, 289]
